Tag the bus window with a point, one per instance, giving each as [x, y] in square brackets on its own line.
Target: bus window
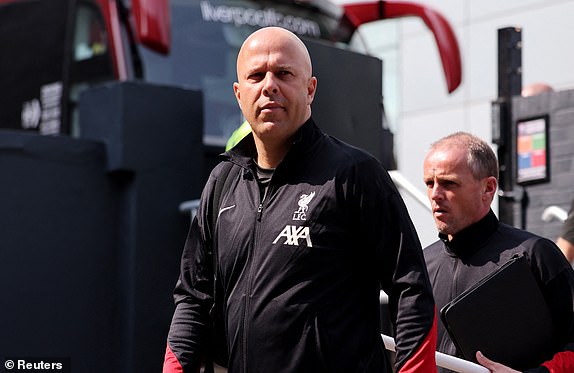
[91, 61]
[90, 34]
[32, 40]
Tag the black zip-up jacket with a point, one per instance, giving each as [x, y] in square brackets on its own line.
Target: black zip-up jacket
[478, 250]
[300, 270]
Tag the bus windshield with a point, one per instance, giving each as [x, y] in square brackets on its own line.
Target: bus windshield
[206, 37]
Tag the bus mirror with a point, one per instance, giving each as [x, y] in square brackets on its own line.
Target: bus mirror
[369, 11]
[153, 24]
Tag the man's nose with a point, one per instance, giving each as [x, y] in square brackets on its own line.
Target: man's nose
[435, 192]
[270, 84]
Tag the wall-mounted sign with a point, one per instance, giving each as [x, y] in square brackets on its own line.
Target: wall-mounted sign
[532, 151]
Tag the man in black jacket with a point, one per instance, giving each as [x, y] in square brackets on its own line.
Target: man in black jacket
[307, 233]
[461, 174]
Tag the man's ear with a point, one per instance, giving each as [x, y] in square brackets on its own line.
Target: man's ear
[490, 186]
[311, 89]
[237, 93]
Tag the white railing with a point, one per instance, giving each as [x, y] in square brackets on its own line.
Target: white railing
[444, 360]
[402, 183]
[551, 213]
[189, 207]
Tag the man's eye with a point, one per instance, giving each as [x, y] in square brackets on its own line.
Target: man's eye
[256, 76]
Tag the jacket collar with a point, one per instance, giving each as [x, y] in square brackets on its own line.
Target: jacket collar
[303, 142]
[469, 240]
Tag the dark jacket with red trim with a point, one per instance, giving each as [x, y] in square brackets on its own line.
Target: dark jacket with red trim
[300, 270]
[478, 250]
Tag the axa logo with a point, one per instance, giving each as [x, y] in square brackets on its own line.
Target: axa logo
[301, 213]
[292, 234]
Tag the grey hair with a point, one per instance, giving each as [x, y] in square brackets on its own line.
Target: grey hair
[481, 158]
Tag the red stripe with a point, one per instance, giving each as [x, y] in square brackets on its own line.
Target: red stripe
[170, 363]
[423, 360]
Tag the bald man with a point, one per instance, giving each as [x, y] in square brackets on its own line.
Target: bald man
[308, 230]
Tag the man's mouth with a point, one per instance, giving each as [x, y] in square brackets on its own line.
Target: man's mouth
[439, 211]
[271, 106]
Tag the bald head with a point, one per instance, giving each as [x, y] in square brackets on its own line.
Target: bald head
[275, 89]
[278, 38]
[536, 89]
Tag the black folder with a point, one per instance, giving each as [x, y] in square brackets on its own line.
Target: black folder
[504, 316]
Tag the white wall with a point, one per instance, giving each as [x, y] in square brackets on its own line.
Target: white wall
[419, 107]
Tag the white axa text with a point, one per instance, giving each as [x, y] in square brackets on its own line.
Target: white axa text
[292, 235]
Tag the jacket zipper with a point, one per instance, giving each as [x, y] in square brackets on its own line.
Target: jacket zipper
[250, 278]
[260, 208]
[259, 211]
[454, 288]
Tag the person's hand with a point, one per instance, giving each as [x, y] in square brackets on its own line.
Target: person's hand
[493, 366]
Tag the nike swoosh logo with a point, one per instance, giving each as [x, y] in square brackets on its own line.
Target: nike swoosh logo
[225, 209]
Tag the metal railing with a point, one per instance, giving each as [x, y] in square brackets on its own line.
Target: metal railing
[551, 213]
[444, 360]
[189, 207]
[402, 183]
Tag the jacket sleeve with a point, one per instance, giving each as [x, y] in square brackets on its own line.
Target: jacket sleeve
[402, 270]
[557, 279]
[191, 323]
[410, 294]
[561, 362]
